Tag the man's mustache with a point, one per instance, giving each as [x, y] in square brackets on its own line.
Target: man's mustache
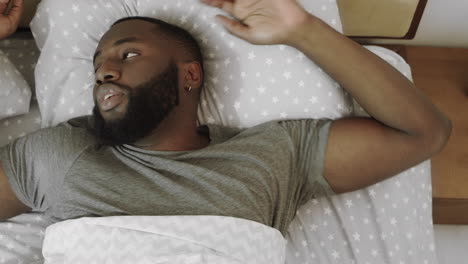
[121, 86]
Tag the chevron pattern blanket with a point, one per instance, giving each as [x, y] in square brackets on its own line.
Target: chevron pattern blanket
[163, 239]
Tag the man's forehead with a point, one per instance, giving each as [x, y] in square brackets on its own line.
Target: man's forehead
[136, 31]
[133, 27]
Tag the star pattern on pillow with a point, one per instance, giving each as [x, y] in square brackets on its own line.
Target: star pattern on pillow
[378, 215]
[15, 93]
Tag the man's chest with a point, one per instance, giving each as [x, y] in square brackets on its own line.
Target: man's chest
[240, 186]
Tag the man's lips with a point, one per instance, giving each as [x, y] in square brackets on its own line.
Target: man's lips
[112, 102]
[109, 96]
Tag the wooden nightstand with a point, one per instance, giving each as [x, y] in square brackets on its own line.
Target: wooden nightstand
[442, 73]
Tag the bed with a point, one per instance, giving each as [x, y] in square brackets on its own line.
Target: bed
[389, 222]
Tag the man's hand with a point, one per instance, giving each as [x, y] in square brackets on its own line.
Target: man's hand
[9, 22]
[261, 21]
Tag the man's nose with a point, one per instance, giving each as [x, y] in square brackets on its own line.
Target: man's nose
[108, 71]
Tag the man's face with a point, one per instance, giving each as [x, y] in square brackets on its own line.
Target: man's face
[136, 83]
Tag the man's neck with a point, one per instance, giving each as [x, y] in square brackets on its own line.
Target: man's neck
[175, 136]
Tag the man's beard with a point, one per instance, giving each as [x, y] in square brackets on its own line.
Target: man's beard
[148, 105]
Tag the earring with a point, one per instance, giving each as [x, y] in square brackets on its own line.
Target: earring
[188, 89]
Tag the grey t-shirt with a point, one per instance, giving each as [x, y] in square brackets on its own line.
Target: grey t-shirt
[263, 173]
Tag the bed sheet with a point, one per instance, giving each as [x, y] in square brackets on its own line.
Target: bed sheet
[389, 222]
[27, 231]
[22, 51]
[21, 237]
[385, 223]
[19, 126]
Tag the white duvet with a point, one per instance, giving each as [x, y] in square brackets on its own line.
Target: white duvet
[163, 239]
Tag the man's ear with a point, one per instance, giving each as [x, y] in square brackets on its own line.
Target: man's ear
[192, 74]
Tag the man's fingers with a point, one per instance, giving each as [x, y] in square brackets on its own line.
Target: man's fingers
[15, 12]
[3, 6]
[226, 5]
[234, 27]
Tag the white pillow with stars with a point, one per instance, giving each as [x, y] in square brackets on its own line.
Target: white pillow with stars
[245, 84]
[15, 93]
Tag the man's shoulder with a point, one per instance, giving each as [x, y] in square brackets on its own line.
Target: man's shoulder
[291, 127]
[80, 122]
[227, 132]
[279, 127]
[75, 130]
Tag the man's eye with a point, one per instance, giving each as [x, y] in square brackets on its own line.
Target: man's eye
[130, 55]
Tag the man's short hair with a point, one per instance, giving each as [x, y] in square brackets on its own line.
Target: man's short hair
[180, 35]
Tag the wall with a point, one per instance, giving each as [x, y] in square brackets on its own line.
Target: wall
[451, 243]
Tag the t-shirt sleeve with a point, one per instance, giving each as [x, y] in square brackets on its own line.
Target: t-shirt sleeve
[36, 164]
[309, 138]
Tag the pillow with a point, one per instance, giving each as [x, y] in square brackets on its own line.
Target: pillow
[22, 52]
[245, 84]
[15, 94]
[19, 126]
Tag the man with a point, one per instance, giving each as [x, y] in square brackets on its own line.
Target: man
[142, 152]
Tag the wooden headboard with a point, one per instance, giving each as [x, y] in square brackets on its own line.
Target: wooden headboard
[381, 18]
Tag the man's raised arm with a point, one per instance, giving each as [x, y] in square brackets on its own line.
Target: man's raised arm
[405, 128]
